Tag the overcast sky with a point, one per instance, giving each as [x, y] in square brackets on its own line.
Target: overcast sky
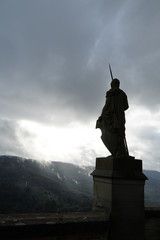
[54, 57]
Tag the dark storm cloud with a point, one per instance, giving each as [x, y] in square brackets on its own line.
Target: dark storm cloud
[59, 49]
[55, 56]
[139, 51]
[45, 49]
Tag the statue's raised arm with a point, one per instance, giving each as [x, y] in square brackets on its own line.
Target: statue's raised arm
[112, 121]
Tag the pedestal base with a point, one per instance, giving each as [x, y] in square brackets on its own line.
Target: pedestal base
[119, 190]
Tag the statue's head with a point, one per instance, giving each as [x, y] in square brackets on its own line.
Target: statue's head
[115, 83]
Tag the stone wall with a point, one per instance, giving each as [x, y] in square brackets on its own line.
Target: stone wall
[69, 226]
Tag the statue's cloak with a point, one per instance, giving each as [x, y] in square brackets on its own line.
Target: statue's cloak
[112, 121]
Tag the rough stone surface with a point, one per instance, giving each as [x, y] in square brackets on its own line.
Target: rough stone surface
[119, 191]
[69, 226]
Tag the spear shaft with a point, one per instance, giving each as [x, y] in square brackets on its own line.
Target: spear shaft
[110, 72]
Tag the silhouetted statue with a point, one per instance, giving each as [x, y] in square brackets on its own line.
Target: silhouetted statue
[112, 121]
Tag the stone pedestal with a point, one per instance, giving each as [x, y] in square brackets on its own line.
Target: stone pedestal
[119, 191]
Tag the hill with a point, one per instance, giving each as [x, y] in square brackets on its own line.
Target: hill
[152, 189]
[28, 186]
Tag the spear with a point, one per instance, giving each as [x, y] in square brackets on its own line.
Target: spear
[111, 72]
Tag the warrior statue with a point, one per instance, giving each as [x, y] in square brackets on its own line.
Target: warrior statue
[112, 120]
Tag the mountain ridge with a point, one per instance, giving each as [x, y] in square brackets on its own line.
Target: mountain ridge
[29, 186]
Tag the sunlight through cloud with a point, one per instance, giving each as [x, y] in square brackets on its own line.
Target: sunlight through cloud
[77, 144]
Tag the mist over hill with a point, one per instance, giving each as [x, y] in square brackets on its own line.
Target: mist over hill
[27, 185]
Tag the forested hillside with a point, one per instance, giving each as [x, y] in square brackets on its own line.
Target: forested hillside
[27, 185]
